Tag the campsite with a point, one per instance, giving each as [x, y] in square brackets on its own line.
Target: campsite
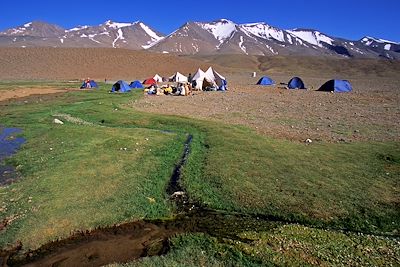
[220, 177]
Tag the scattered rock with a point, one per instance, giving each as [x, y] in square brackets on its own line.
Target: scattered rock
[178, 194]
[308, 141]
[57, 121]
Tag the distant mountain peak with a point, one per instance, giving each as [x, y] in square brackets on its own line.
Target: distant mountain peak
[366, 39]
[224, 21]
[218, 36]
[118, 25]
[220, 29]
[77, 28]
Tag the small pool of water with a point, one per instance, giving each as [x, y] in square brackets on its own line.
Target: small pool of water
[9, 145]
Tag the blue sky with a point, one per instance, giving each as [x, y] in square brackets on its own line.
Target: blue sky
[351, 19]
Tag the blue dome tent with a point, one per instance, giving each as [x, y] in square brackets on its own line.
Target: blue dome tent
[265, 81]
[121, 87]
[89, 84]
[223, 86]
[136, 84]
[337, 86]
[296, 83]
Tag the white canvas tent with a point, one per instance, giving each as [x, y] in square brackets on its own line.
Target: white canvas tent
[215, 76]
[202, 80]
[178, 77]
[158, 78]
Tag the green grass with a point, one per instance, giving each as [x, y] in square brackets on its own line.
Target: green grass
[78, 177]
[340, 185]
[86, 181]
[198, 250]
[295, 245]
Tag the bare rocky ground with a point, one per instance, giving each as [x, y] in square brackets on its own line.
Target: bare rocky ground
[371, 112]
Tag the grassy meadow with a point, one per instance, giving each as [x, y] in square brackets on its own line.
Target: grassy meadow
[109, 163]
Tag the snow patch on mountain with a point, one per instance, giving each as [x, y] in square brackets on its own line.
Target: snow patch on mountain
[387, 46]
[150, 32]
[289, 38]
[367, 40]
[271, 49]
[264, 31]
[119, 36]
[17, 31]
[221, 29]
[242, 47]
[91, 37]
[312, 37]
[195, 47]
[77, 28]
[26, 25]
[118, 25]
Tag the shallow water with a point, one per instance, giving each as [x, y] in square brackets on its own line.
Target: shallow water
[9, 145]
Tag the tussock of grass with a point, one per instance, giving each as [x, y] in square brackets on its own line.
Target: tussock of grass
[295, 245]
[198, 250]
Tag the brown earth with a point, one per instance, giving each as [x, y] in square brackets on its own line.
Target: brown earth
[12, 94]
[96, 63]
[370, 112]
[295, 115]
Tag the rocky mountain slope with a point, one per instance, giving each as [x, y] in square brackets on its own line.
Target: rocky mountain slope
[204, 38]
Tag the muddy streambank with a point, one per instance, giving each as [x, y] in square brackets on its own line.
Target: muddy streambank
[130, 241]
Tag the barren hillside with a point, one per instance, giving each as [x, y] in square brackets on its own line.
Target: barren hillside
[310, 66]
[97, 63]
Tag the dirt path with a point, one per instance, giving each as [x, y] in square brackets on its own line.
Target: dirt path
[23, 92]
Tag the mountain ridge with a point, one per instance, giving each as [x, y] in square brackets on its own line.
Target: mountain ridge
[221, 36]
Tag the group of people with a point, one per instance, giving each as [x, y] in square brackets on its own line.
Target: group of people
[183, 89]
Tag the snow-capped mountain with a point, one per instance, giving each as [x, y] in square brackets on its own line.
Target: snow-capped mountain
[225, 36]
[221, 36]
[133, 35]
[384, 47]
[36, 29]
